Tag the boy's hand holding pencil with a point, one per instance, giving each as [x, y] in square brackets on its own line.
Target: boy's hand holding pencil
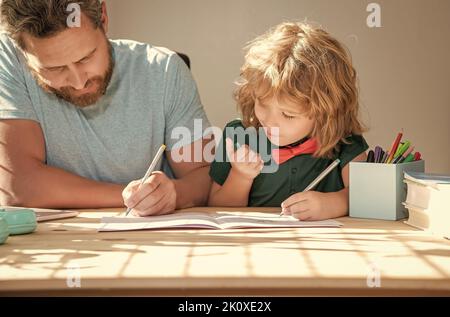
[311, 205]
[306, 206]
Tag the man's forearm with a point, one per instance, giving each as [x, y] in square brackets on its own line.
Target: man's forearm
[49, 187]
[193, 188]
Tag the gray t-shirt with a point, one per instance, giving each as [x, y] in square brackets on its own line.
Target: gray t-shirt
[151, 92]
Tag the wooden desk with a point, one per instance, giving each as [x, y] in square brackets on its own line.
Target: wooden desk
[305, 261]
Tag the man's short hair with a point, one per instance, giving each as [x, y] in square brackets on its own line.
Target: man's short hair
[43, 18]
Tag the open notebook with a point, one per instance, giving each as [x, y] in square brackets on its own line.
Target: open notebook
[219, 220]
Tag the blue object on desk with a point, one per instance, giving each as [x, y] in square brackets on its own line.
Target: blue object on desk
[19, 221]
[4, 231]
[377, 191]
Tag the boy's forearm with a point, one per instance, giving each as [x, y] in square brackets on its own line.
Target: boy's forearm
[193, 189]
[233, 193]
[337, 203]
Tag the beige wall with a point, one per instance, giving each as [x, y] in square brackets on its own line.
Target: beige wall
[404, 66]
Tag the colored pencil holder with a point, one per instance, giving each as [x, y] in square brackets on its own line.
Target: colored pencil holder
[377, 190]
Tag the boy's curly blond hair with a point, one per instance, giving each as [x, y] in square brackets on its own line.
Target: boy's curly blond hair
[307, 66]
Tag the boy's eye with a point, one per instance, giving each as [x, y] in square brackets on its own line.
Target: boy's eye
[287, 116]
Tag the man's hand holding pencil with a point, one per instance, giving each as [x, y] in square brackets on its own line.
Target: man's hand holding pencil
[154, 194]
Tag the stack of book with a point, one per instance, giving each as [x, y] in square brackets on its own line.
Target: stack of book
[428, 202]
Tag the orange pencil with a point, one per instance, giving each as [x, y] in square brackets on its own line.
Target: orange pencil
[394, 147]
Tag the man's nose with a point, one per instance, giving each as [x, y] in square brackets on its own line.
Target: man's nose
[77, 78]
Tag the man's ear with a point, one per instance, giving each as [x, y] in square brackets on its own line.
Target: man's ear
[104, 18]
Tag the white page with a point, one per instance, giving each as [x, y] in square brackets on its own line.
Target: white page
[234, 221]
[177, 220]
[219, 220]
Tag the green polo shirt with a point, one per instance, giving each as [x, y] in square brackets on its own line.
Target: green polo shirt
[271, 188]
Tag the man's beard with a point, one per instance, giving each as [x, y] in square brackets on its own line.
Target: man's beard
[67, 93]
